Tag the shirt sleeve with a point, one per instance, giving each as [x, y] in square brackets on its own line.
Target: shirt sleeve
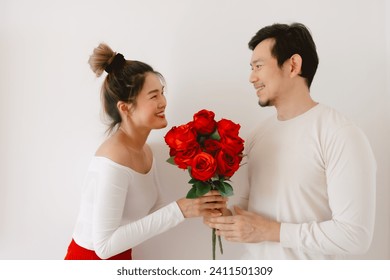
[109, 236]
[351, 178]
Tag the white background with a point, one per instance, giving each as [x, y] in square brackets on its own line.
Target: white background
[50, 119]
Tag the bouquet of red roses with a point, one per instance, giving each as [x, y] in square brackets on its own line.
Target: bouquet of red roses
[211, 151]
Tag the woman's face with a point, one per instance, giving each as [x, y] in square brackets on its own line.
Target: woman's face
[149, 112]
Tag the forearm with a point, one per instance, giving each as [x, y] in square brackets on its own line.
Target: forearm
[329, 237]
[108, 243]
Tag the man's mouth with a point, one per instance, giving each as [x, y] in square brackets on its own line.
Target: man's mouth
[259, 88]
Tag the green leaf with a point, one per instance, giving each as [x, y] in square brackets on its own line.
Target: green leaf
[221, 178]
[217, 185]
[202, 188]
[226, 189]
[215, 135]
[171, 160]
[191, 193]
[198, 189]
[192, 181]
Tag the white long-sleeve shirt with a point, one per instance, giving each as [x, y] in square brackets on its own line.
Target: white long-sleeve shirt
[316, 174]
[118, 209]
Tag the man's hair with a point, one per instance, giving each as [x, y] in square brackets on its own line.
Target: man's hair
[289, 40]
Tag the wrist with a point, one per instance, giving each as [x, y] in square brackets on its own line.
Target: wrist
[181, 204]
[274, 231]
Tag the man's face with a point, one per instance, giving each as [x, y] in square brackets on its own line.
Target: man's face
[266, 76]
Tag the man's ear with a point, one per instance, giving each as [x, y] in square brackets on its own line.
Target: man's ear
[295, 65]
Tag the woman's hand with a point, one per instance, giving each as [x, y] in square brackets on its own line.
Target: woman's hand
[212, 204]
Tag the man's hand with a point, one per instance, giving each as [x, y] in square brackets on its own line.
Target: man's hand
[245, 227]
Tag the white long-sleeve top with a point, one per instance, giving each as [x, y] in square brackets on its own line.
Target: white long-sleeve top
[118, 208]
[316, 175]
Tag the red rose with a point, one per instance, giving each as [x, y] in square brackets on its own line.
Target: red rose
[204, 122]
[203, 166]
[228, 131]
[228, 128]
[228, 162]
[211, 146]
[181, 137]
[183, 159]
[235, 144]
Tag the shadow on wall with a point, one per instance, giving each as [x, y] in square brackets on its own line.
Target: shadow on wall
[191, 240]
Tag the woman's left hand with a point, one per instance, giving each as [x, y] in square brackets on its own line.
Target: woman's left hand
[212, 204]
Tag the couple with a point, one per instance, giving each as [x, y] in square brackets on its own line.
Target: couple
[311, 171]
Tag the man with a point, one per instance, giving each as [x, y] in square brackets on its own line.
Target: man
[311, 171]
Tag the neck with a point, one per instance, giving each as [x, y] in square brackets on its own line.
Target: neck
[293, 104]
[133, 139]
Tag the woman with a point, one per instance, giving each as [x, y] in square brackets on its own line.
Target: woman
[120, 197]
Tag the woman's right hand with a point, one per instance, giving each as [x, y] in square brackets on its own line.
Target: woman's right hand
[212, 204]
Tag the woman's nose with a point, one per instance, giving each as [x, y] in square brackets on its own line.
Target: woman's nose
[163, 102]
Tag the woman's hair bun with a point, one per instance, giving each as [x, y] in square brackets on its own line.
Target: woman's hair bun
[101, 57]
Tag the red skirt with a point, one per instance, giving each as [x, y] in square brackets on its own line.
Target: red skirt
[76, 252]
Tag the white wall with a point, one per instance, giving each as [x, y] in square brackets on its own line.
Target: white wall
[50, 108]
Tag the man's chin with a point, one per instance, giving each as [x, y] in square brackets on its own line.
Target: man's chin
[264, 104]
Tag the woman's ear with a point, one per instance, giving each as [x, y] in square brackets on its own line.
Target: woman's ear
[123, 108]
[296, 65]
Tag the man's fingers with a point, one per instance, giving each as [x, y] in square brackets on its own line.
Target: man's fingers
[223, 220]
[240, 211]
[223, 223]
